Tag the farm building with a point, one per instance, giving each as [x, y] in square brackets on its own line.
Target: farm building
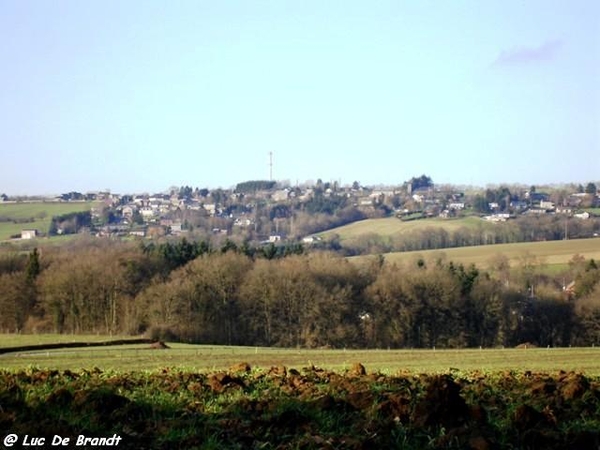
[29, 234]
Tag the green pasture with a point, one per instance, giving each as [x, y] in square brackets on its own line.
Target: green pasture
[8, 229]
[391, 226]
[26, 245]
[210, 358]
[40, 212]
[593, 211]
[550, 253]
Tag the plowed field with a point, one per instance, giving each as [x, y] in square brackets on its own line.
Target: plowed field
[281, 408]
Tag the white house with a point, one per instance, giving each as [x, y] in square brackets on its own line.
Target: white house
[211, 208]
[128, 210]
[176, 228]
[29, 234]
[241, 222]
[564, 210]
[544, 204]
[280, 195]
[500, 217]
[147, 212]
[311, 239]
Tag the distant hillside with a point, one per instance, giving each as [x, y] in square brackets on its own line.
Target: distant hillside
[392, 234]
[15, 217]
[376, 236]
[391, 226]
[550, 252]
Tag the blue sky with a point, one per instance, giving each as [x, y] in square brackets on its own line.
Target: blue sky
[137, 96]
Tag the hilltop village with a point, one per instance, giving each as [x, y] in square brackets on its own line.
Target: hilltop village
[276, 212]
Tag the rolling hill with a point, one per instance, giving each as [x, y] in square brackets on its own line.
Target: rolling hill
[549, 252]
[15, 217]
[390, 226]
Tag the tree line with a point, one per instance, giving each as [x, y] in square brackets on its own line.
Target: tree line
[191, 292]
[70, 223]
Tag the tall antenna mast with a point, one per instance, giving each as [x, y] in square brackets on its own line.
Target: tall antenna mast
[270, 166]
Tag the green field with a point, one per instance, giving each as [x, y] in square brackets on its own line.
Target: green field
[551, 253]
[208, 358]
[40, 212]
[390, 226]
[593, 211]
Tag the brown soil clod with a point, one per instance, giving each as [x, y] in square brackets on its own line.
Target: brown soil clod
[159, 345]
[241, 367]
[544, 387]
[526, 345]
[60, 397]
[220, 381]
[479, 443]
[527, 417]
[361, 400]
[441, 405]
[358, 370]
[573, 386]
[396, 407]
[101, 403]
[280, 371]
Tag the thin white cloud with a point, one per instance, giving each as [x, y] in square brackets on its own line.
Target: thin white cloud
[529, 55]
